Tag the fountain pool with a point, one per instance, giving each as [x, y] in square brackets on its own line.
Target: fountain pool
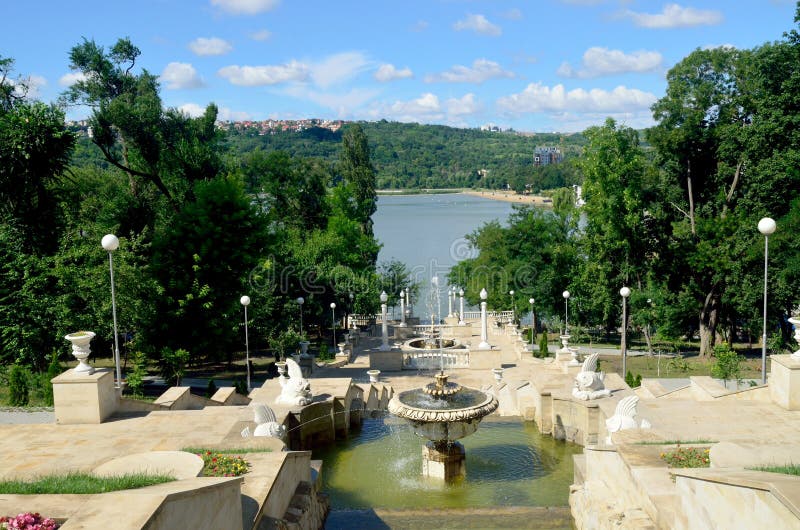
[508, 464]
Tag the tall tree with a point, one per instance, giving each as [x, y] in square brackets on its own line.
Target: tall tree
[358, 173]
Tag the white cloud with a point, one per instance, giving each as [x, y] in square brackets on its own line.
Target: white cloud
[344, 104]
[338, 68]
[245, 7]
[71, 78]
[388, 72]
[29, 87]
[478, 24]
[675, 16]
[602, 61]
[210, 46]
[513, 14]
[464, 106]
[265, 75]
[181, 75]
[539, 98]
[425, 108]
[261, 35]
[573, 122]
[193, 110]
[481, 70]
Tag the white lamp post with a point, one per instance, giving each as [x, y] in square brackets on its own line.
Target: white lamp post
[350, 310]
[245, 301]
[402, 310]
[333, 322]
[461, 308]
[408, 301]
[565, 294]
[384, 324]
[300, 305]
[533, 321]
[111, 243]
[484, 345]
[513, 306]
[450, 302]
[767, 227]
[625, 292]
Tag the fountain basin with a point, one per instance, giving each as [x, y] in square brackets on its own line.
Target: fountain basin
[431, 344]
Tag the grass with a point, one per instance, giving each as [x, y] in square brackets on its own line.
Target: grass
[788, 469]
[690, 365]
[676, 442]
[80, 483]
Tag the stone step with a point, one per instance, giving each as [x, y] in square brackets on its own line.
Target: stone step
[503, 517]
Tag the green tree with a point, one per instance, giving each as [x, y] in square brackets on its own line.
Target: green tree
[358, 173]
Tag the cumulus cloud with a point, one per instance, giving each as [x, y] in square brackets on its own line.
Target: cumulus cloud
[422, 109]
[345, 104]
[193, 110]
[245, 7]
[71, 78]
[261, 35]
[675, 16]
[481, 70]
[28, 86]
[513, 14]
[427, 108]
[210, 46]
[463, 106]
[338, 68]
[602, 61]
[540, 98]
[181, 75]
[387, 72]
[265, 75]
[478, 24]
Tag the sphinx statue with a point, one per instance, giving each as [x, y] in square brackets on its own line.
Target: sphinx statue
[624, 417]
[267, 423]
[296, 390]
[589, 382]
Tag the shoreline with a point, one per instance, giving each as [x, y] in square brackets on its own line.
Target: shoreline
[494, 195]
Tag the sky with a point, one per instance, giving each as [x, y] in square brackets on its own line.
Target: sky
[536, 65]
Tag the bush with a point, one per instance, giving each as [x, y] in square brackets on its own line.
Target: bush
[136, 375]
[286, 341]
[543, 350]
[240, 386]
[18, 385]
[174, 365]
[324, 353]
[633, 381]
[211, 389]
[727, 365]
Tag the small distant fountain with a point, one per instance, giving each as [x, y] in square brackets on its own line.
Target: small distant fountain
[443, 412]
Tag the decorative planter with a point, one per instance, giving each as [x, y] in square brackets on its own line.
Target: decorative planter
[304, 347]
[374, 375]
[296, 357]
[795, 320]
[80, 349]
[342, 347]
[498, 374]
[281, 365]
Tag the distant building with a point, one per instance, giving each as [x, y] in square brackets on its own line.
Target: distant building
[491, 127]
[544, 156]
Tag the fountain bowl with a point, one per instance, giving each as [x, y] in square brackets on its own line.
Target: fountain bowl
[431, 344]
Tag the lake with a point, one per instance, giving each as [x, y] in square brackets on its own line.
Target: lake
[427, 233]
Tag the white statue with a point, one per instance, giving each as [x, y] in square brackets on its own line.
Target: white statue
[297, 390]
[623, 417]
[267, 423]
[588, 382]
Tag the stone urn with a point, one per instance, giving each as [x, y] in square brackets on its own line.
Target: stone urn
[304, 348]
[374, 375]
[342, 346]
[281, 365]
[795, 321]
[296, 357]
[498, 374]
[80, 349]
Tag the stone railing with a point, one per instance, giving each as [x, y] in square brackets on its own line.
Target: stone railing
[433, 360]
[497, 315]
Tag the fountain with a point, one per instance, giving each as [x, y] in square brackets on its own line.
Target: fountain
[443, 412]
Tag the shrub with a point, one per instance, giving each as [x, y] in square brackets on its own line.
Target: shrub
[18, 385]
[53, 370]
[174, 365]
[286, 341]
[543, 351]
[136, 375]
[240, 386]
[211, 389]
[633, 381]
[686, 457]
[727, 365]
[324, 353]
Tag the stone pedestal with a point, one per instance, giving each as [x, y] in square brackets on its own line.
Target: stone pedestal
[445, 462]
[82, 398]
[784, 381]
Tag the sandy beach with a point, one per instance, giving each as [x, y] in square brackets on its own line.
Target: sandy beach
[510, 196]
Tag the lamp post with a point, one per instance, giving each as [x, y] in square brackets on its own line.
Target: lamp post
[111, 243]
[333, 323]
[300, 304]
[350, 310]
[384, 325]
[533, 321]
[461, 308]
[402, 310]
[565, 294]
[450, 302]
[245, 301]
[625, 292]
[408, 301]
[484, 345]
[513, 306]
[767, 227]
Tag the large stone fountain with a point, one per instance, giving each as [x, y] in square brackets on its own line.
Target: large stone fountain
[443, 412]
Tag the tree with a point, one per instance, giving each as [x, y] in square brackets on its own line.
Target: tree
[358, 173]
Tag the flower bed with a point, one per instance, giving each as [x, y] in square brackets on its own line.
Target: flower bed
[222, 465]
[686, 457]
[28, 521]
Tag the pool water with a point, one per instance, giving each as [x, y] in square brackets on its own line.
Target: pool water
[508, 464]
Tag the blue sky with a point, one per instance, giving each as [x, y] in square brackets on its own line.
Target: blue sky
[544, 65]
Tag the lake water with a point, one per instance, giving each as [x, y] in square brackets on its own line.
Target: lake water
[427, 233]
